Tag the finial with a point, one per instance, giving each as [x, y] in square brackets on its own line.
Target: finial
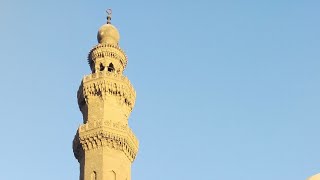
[109, 12]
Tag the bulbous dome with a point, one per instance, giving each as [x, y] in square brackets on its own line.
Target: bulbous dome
[108, 34]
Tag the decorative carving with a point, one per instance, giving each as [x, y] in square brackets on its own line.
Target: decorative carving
[77, 148]
[107, 50]
[112, 126]
[99, 134]
[106, 83]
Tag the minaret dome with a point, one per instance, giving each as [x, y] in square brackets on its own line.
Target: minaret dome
[107, 32]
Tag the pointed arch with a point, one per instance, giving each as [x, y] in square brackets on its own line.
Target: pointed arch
[111, 175]
[101, 67]
[93, 176]
[111, 67]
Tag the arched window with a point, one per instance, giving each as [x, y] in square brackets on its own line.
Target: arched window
[101, 67]
[110, 67]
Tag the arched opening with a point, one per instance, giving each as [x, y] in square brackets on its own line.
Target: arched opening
[101, 67]
[94, 176]
[111, 175]
[110, 67]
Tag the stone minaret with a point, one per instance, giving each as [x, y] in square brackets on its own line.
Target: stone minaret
[104, 144]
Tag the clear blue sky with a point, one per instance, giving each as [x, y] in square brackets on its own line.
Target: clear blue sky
[225, 89]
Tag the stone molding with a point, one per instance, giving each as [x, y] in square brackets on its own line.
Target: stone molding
[107, 50]
[121, 128]
[106, 83]
[98, 134]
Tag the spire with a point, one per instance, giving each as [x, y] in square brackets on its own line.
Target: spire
[108, 33]
[109, 12]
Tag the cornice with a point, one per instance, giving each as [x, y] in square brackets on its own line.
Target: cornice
[99, 134]
[107, 50]
[106, 83]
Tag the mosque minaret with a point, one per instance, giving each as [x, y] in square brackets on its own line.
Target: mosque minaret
[104, 144]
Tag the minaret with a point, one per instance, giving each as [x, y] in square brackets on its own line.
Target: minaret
[104, 144]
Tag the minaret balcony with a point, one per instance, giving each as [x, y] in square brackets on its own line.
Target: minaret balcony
[100, 134]
[108, 87]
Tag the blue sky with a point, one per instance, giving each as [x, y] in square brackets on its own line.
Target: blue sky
[225, 89]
